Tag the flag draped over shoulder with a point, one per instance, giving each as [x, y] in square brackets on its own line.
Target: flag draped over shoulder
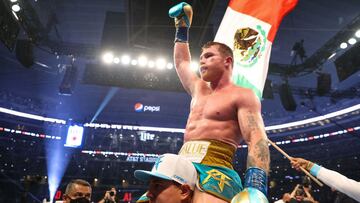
[249, 28]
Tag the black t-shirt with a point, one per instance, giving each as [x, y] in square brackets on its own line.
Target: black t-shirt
[293, 200]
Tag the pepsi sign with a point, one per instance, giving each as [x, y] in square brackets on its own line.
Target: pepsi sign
[139, 107]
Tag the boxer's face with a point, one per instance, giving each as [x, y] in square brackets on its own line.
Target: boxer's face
[212, 64]
[163, 191]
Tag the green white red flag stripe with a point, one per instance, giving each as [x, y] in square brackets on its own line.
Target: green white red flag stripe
[249, 28]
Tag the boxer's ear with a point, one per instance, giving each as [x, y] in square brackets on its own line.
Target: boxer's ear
[229, 61]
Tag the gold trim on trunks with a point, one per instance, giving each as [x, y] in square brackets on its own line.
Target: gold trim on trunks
[209, 152]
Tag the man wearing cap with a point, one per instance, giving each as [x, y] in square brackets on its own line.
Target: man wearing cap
[171, 180]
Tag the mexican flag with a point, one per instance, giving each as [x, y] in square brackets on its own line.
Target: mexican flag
[249, 28]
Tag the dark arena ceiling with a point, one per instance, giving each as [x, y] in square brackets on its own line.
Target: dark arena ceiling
[51, 65]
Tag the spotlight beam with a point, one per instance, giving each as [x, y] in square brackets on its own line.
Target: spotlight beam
[57, 160]
[103, 104]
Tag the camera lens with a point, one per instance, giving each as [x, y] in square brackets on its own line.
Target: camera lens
[112, 193]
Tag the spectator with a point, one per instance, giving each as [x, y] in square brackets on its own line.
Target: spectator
[331, 178]
[110, 196]
[300, 195]
[77, 191]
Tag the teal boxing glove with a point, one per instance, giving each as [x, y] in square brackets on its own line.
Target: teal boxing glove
[182, 14]
[250, 195]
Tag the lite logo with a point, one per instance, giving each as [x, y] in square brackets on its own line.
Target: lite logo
[139, 107]
[145, 136]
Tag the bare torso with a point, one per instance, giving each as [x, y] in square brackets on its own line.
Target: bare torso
[213, 115]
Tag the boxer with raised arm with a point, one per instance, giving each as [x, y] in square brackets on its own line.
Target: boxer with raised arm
[221, 116]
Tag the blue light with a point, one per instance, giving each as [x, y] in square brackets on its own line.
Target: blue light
[103, 104]
[58, 156]
[57, 160]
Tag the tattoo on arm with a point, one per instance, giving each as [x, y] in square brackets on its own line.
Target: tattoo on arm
[263, 154]
[259, 156]
[258, 153]
[251, 122]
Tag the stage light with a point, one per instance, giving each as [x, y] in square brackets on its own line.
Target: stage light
[17, 18]
[142, 61]
[96, 182]
[15, 8]
[116, 60]
[151, 64]
[134, 62]
[332, 55]
[13, 1]
[160, 63]
[357, 33]
[343, 45]
[352, 41]
[194, 66]
[108, 57]
[125, 59]
[169, 66]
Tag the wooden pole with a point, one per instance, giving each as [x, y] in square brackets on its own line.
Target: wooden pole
[289, 157]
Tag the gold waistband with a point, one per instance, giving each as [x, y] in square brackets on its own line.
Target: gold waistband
[218, 153]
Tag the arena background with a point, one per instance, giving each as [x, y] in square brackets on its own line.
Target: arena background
[131, 113]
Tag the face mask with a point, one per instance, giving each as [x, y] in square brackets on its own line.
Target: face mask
[80, 200]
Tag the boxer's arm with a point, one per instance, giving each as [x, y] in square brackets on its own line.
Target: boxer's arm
[253, 132]
[182, 14]
[182, 61]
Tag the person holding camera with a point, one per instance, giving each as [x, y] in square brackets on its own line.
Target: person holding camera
[110, 196]
[301, 194]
